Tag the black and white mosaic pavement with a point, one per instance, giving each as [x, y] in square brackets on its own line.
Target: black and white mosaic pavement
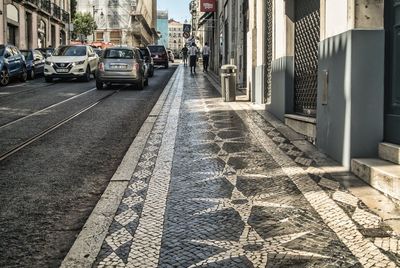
[218, 186]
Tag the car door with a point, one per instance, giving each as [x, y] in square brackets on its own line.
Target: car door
[92, 58]
[38, 60]
[11, 61]
[19, 60]
[140, 59]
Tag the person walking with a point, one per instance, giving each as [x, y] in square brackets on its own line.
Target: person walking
[206, 56]
[193, 57]
[184, 52]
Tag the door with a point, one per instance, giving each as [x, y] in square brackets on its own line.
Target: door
[307, 35]
[392, 94]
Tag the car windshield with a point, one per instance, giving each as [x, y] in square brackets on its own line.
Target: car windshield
[156, 49]
[118, 54]
[28, 54]
[70, 51]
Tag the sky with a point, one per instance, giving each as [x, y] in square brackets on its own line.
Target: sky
[177, 9]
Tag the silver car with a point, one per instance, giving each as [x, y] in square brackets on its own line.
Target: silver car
[121, 65]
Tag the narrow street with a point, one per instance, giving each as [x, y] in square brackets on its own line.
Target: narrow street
[49, 187]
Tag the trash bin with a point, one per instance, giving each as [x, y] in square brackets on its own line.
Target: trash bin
[228, 82]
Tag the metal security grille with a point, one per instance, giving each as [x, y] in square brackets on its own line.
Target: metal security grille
[307, 31]
[268, 66]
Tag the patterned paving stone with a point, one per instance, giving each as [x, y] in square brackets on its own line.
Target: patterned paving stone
[345, 198]
[330, 184]
[366, 219]
[221, 188]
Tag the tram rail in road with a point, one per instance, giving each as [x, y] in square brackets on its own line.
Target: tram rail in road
[45, 109]
[4, 94]
[54, 126]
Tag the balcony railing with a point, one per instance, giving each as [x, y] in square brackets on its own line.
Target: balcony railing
[45, 5]
[56, 11]
[65, 16]
[33, 2]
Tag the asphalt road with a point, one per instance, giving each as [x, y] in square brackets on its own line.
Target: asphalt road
[49, 188]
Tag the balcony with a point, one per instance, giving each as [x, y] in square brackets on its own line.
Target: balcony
[45, 5]
[56, 11]
[65, 16]
[34, 3]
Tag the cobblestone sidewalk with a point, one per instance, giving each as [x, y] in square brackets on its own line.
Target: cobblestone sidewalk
[218, 186]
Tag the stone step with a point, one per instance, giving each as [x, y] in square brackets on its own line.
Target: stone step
[390, 152]
[380, 174]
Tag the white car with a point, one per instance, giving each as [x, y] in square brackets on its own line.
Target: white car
[71, 62]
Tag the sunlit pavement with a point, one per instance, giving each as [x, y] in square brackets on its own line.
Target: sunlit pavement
[219, 186]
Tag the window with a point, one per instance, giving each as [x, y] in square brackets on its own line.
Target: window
[118, 54]
[12, 13]
[70, 51]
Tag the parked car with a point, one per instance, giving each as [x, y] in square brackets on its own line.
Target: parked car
[12, 64]
[46, 52]
[34, 62]
[121, 65]
[71, 62]
[98, 51]
[159, 55]
[171, 56]
[148, 59]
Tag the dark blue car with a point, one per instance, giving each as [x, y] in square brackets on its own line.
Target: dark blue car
[12, 64]
[34, 62]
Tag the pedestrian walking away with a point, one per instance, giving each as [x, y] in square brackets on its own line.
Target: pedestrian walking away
[193, 58]
[206, 51]
[184, 52]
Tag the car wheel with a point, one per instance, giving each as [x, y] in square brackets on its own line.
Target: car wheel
[86, 77]
[31, 74]
[24, 75]
[146, 82]
[166, 65]
[140, 84]
[4, 78]
[151, 73]
[99, 85]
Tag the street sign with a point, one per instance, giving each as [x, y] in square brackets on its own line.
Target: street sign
[207, 6]
[186, 35]
[187, 28]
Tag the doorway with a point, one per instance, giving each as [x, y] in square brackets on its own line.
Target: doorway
[392, 87]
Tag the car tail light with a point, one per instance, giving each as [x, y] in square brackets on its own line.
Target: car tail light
[136, 66]
[101, 66]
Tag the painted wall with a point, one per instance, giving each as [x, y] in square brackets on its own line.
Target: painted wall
[351, 123]
[335, 20]
[279, 29]
[162, 26]
[282, 87]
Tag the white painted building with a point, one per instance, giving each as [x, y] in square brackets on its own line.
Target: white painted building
[131, 22]
[176, 41]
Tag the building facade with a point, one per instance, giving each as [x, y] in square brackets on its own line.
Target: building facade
[130, 22]
[175, 33]
[162, 27]
[327, 68]
[35, 23]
